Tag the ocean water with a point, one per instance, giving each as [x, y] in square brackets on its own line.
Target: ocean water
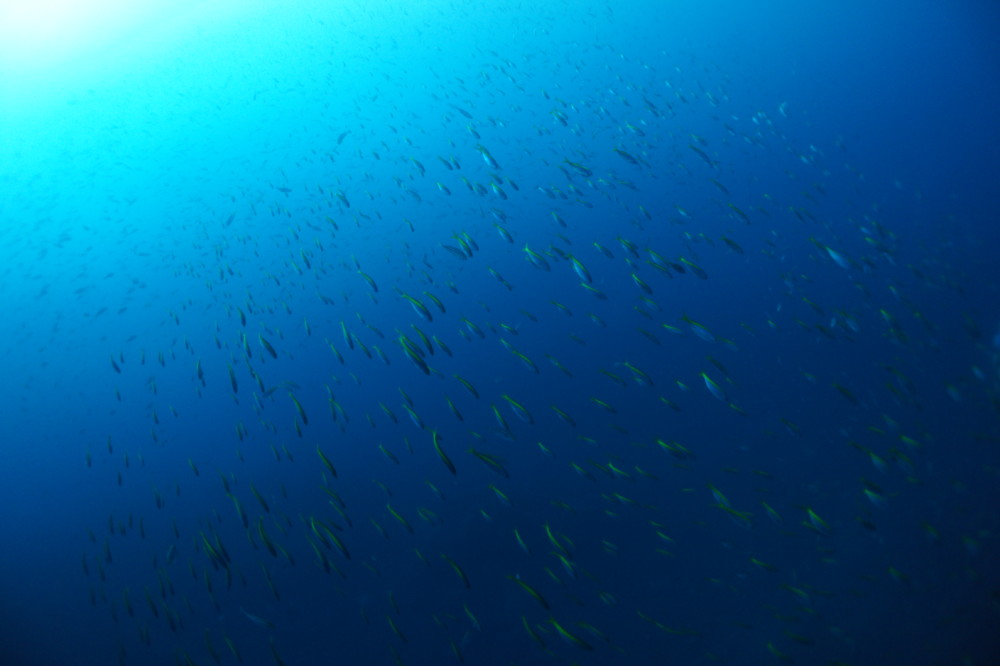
[571, 332]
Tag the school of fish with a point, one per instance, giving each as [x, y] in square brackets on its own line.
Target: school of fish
[506, 365]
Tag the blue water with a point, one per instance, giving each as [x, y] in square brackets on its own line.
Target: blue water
[778, 394]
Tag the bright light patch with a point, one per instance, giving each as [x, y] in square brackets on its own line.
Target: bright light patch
[40, 33]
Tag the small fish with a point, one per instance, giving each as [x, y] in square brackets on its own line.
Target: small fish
[714, 388]
[259, 621]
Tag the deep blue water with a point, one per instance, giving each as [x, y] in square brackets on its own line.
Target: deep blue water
[756, 422]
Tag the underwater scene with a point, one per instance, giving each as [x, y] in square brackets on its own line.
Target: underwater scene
[448, 332]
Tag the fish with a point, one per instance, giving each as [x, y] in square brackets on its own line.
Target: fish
[259, 621]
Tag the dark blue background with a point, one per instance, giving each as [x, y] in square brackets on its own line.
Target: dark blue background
[146, 204]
